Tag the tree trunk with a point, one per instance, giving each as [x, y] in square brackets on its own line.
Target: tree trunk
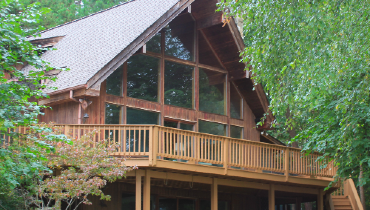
[362, 191]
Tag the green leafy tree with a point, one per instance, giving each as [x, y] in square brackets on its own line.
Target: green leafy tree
[313, 58]
[63, 11]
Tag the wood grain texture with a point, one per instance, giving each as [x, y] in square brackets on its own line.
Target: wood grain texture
[142, 104]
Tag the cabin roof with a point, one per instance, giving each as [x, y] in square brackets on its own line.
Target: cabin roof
[89, 43]
[94, 46]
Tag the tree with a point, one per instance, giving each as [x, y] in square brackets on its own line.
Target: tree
[63, 11]
[313, 59]
[80, 170]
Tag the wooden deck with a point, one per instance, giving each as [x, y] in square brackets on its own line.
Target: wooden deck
[175, 149]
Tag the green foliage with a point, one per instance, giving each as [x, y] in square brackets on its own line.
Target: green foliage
[63, 11]
[20, 163]
[313, 57]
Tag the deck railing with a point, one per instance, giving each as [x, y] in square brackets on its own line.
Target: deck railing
[157, 142]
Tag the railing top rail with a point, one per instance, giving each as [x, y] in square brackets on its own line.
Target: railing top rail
[186, 131]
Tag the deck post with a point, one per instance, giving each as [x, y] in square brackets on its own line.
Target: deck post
[214, 194]
[155, 141]
[146, 193]
[226, 154]
[271, 197]
[298, 203]
[320, 200]
[286, 164]
[138, 192]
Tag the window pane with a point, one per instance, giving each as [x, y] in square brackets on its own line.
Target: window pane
[236, 132]
[128, 201]
[154, 44]
[170, 124]
[136, 116]
[211, 91]
[212, 128]
[114, 82]
[186, 204]
[167, 203]
[188, 127]
[179, 38]
[178, 85]
[235, 103]
[112, 114]
[142, 77]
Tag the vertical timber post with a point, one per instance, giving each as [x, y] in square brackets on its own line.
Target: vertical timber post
[138, 192]
[146, 193]
[271, 197]
[214, 194]
[286, 164]
[320, 200]
[298, 202]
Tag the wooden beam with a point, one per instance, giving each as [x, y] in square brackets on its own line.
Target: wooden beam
[305, 190]
[298, 202]
[271, 197]
[212, 20]
[66, 96]
[146, 193]
[138, 192]
[320, 200]
[214, 194]
[55, 99]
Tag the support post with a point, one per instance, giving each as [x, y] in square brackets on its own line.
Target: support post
[214, 194]
[138, 192]
[271, 197]
[226, 154]
[298, 203]
[286, 164]
[155, 145]
[320, 200]
[146, 193]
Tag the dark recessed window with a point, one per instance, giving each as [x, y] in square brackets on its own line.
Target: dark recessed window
[211, 91]
[177, 124]
[185, 126]
[112, 114]
[235, 103]
[137, 116]
[167, 203]
[114, 82]
[212, 128]
[142, 77]
[236, 132]
[178, 84]
[179, 38]
[154, 44]
[186, 204]
[128, 201]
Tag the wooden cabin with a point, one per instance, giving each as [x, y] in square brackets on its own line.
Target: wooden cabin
[164, 79]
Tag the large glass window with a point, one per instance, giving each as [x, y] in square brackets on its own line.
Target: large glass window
[211, 91]
[178, 84]
[112, 114]
[235, 103]
[167, 203]
[137, 116]
[154, 44]
[177, 124]
[212, 128]
[114, 82]
[142, 77]
[179, 38]
[186, 204]
[236, 132]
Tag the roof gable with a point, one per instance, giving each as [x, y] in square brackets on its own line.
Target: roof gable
[90, 43]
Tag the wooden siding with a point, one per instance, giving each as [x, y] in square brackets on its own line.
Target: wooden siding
[65, 113]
